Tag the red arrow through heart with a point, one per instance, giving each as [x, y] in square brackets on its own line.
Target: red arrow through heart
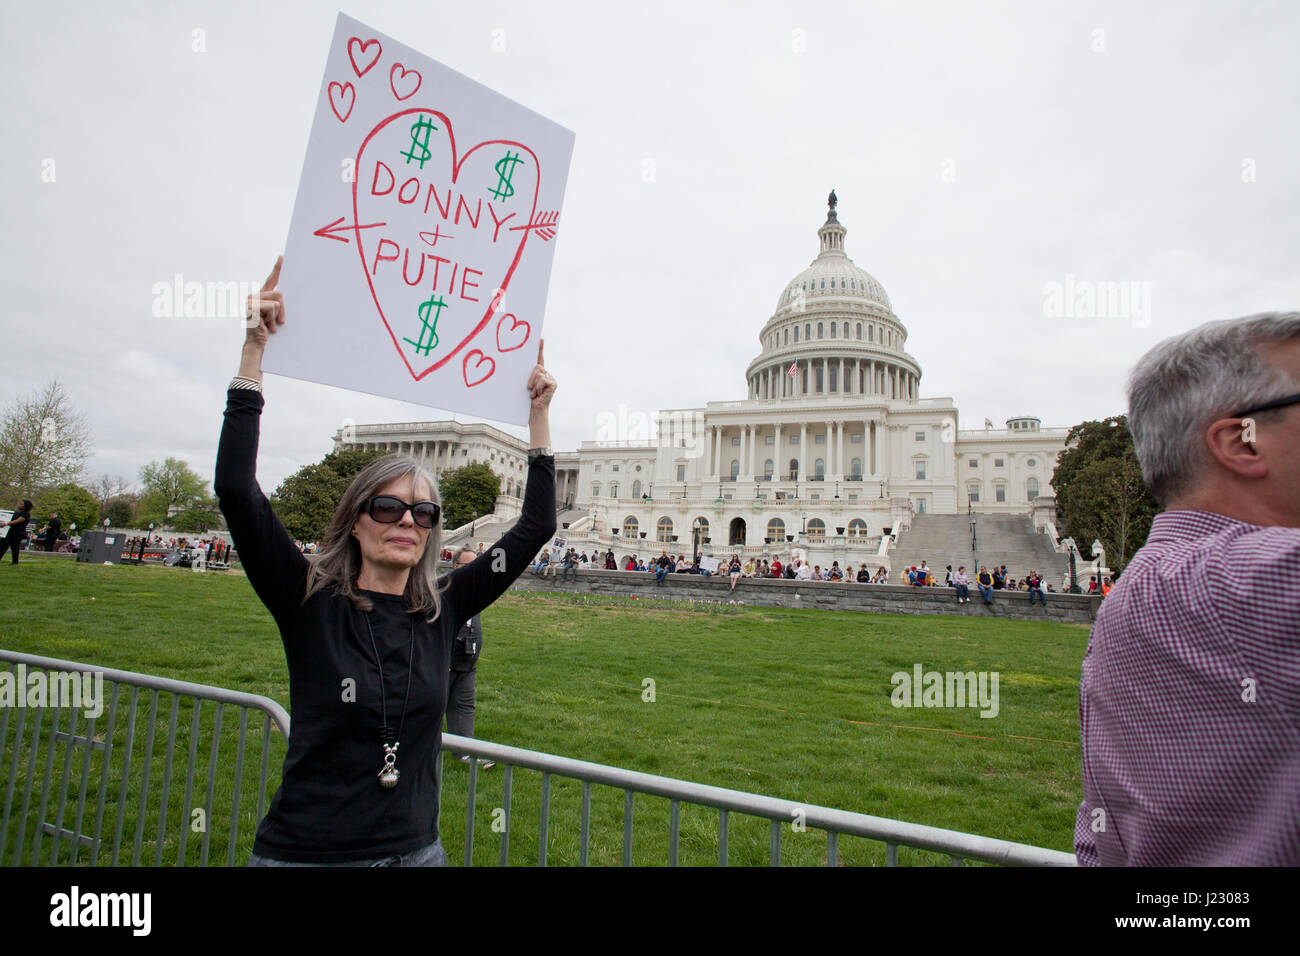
[328, 232]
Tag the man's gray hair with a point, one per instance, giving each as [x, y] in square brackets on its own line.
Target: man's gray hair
[1183, 384]
[465, 549]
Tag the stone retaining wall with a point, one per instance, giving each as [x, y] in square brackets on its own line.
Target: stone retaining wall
[825, 595]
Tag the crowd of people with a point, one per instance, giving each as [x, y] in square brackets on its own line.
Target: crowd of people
[563, 563]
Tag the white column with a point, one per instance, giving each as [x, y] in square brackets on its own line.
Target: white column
[843, 390]
[803, 451]
[777, 467]
[744, 443]
[842, 469]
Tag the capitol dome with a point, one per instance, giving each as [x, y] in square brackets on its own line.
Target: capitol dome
[832, 275]
[834, 332]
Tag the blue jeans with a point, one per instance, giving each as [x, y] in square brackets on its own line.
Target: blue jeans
[963, 592]
[431, 855]
[1041, 596]
[987, 593]
[660, 574]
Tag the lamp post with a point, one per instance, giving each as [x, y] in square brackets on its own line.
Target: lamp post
[695, 539]
[975, 564]
[804, 529]
[882, 491]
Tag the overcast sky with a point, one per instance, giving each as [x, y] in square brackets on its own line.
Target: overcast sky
[980, 151]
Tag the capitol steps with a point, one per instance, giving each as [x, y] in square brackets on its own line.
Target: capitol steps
[941, 540]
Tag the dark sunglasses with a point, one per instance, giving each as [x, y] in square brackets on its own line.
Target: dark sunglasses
[387, 509]
[1279, 403]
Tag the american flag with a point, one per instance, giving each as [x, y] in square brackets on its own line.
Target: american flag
[793, 369]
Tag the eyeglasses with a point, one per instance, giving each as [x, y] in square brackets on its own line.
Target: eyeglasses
[387, 509]
[1278, 403]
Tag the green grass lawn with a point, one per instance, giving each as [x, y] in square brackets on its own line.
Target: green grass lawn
[789, 703]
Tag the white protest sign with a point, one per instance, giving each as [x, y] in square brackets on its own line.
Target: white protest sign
[420, 247]
[709, 564]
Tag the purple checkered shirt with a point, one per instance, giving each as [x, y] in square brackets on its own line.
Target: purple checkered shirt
[1181, 767]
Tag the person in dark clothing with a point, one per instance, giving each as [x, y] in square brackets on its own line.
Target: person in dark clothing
[368, 629]
[464, 671]
[52, 529]
[16, 529]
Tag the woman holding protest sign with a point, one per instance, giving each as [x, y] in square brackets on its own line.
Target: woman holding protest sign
[368, 627]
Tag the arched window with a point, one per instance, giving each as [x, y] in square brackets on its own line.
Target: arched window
[832, 330]
[796, 335]
[613, 489]
[767, 469]
[794, 468]
[846, 330]
[857, 528]
[816, 528]
[855, 468]
[595, 489]
[636, 488]
[631, 526]
[1000, 491]
[859, 330]
[871, 333]
[775, 530]
[787, 337]
[1031, 488]
[820, 329]
[735, 468]
[664, 532]
[807, 330]
[973, 490]
[819, 468]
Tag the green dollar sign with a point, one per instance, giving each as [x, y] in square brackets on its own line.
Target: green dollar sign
[503, 189]
[428, 337]
[422, 125]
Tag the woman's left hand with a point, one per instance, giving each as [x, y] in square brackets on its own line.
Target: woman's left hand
[541, 384]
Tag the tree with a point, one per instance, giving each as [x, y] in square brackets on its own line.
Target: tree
[200, 517]
[1100, 494]
[120, 511]
[44, 442]
[107, 487]
[171, 488]
[74, 504]
[468, 493]
[305, 501]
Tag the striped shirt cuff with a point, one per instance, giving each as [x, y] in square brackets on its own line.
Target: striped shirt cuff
[240, 382]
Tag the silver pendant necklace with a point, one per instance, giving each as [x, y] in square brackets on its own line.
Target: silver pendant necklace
[389, 773]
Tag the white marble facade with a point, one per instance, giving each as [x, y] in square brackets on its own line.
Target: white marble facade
[833, 434]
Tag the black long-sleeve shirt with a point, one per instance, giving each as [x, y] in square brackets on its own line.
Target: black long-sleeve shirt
[330, 807]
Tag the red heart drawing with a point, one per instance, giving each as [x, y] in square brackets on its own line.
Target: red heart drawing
[393, 81]
[457, 165]
[514, 326]
[353, 45]
[464, 367]
[339, 93]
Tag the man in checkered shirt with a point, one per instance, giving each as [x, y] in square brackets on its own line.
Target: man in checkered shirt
[1190, 700]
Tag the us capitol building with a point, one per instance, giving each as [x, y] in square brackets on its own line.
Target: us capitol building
[833, 450]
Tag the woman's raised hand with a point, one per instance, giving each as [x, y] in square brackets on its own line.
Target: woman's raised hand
[541, 384]
[265, 310]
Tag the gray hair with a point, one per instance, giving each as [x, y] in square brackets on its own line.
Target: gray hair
[464, 549]
[339, 561]
[1183, 384]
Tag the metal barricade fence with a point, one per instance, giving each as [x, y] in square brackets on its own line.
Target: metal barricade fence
[119, 756]
[85, 769]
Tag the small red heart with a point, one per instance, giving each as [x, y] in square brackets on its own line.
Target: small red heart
[339, 94]
[514, 325]
[464, 367]
[354, 44]
[393, 80]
